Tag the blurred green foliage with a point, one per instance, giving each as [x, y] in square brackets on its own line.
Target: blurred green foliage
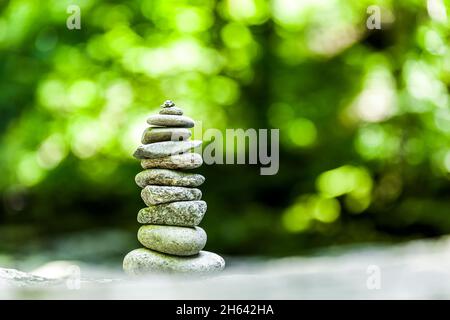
[363, 115]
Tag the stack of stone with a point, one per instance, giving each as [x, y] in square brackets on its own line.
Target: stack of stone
[170, 234]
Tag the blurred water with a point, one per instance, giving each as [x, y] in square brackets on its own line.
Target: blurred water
[415, 270]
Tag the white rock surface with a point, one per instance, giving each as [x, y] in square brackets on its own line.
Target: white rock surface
[415, 270]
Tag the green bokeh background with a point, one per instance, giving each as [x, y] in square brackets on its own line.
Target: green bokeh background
[363, 116]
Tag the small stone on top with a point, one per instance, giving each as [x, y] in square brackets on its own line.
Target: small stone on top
[168, 107]
[168, 104]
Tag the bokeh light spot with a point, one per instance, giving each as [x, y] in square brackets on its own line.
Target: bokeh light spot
[51, 151]
[52, 94]
[236, 35]
[29, 172]
[82, 93]
[302, 132]
[224, 90]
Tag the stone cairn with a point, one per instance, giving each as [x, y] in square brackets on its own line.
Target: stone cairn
[170, 234]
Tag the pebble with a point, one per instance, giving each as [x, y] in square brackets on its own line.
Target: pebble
[181, 213]
[180, 241]
[170, 236]
[168, 178]
[169, 120]
[154, 134]
[143, 261]
[176, 161]
[172, 110]
[165, 148]
[168, 104]
[153, 195]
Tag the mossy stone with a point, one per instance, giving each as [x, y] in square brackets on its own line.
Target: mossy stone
[181, 213]
[184, 161]
[153, 195]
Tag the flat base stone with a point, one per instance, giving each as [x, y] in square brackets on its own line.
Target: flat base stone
[143, 261]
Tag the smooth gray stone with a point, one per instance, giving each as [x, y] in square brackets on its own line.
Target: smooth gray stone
[171, 110]
[179, 241]
[176, 161]
[164, 149]
[153, 134]
[169, 120]
[167, 177]
[142, 261]
[181, 213]
[153, 195]
[168, 104]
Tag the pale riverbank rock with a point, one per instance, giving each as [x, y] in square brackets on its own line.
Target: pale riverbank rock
[165, 148]
[180, 241]
[24, 279]
[166, 177]
[153, 195]
[181, 213]
[184, 161]
[143, 261]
